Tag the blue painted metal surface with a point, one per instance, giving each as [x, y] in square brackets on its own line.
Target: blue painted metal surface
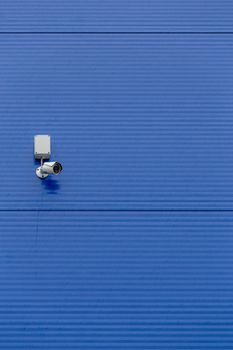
[139, 122]
[125, 281]
[111, 15]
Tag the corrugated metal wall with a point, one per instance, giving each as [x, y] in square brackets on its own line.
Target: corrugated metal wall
[131, 246]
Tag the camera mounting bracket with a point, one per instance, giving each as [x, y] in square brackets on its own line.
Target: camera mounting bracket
[42, 146]
[42, 151]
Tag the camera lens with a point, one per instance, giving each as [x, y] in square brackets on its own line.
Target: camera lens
[57, 168]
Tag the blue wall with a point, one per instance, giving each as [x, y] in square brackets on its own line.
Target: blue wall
[131, 246]
[116, 280]
[116, 16]
[138, 121]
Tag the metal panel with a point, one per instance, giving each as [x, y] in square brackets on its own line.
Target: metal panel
[138, 122]
[115, 16]
[116, 280]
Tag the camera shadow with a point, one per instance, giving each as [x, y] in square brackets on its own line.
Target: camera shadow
[51, 185]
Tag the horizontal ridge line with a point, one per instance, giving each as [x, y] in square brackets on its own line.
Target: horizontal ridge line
[116, 210]
[118, 33]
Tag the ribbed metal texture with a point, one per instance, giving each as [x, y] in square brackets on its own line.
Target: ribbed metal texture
[139, 122]
[111, 15]
[116, 280]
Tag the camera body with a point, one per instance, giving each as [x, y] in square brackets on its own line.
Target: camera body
[48, 168]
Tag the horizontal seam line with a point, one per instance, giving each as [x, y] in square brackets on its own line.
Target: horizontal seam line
[118, 33]
[117, 210]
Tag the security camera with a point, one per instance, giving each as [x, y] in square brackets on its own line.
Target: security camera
[48, 168]
[42, 152]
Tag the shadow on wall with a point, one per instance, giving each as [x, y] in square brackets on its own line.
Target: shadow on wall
[51, 185]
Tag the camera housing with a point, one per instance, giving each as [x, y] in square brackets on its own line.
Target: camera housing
[42, 152]
[48, 168]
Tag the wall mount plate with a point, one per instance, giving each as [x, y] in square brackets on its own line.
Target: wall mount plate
[42, 146]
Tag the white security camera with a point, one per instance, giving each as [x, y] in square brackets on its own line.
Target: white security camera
[48, 168]
[42, 151]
